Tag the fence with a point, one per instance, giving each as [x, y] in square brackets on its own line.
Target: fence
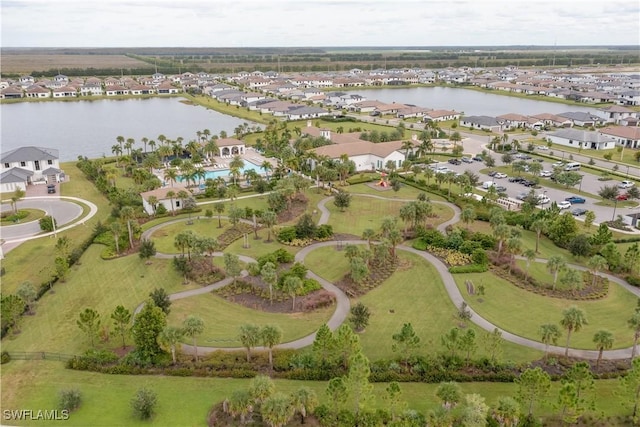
[39, 355]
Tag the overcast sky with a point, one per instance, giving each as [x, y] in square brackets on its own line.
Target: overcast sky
[244, 23]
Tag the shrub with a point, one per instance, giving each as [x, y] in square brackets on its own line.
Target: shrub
[253, 268]
[5, 358]
[144, 403]
[283, 256]
[633, 280]
[319, 299]
[287, 234]
[69, 399]
[471, 268]
[324, 231]
[47, 223]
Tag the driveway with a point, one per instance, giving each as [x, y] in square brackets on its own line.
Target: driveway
[63, 211]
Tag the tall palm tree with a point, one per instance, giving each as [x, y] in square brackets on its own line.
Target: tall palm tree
[596, 263]
[171, 175]
[128, 145]
[539, 225]
[192, 147]
[603, 341]
[549, 335]
[117, 150]
[266, 166]
[165, 151]
[152, 144]
[573, 319]
[127, 214]
[145, 140]
[211, 148]
[171, 194]
[407, 146]
[555, 263]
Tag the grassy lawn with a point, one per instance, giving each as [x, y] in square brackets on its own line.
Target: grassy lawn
[406, 192]
[415, 294]
[522, 312]
[32, 215]
[328, 263]
[165, 236]
[91, 285]
[38, 253]
[222, 320]
[231, 110]
[36, 384]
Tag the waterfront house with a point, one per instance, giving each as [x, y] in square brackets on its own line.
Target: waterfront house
[582, 139]
[115, 90]
[440, 115]
[64, 92]
[11, 92]
[36, 91]
[615, 113]
[28, 165]
[166, 88]
[487, 123]
[580, 118]
[553, 120]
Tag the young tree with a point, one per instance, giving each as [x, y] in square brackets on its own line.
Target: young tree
[270, 335]
[15, 198]
[405, 342]
[160, 299]
[89, 323]
[304, 401]
[359, 317]
[630, 388]
[359, 270]
[219, 208]
[240, 404]
[468, 343]
[147, 325]
[475, 411]
[549, 335]
[269, 275]
[232, 265]
[147, 249]
[277, 409]
[393, 397]
[337, 392]
[603, 341]
[121, 318]
[360, 390]
[11, 309]
[342, 200]
[451, 341]
[493, 344]
[634, 324]
[116, 230]
[530, 255]
[260, 388]
[249, 337]
[144, 403]
[192, 327]
[533, 385]
[291, 285]
[596, 263]
[269, 219]
[581, 396]
[573, 319]
[555, 263]
[324, 344]
[170, 337]
[27, 292]
[589, 217]
[507, 411]
[449, 394]
[128, 214]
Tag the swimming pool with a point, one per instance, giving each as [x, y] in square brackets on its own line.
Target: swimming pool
[224, 173]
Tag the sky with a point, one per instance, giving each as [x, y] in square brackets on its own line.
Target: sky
[284, 23]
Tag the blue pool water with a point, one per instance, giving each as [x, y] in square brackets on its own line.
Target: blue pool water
[224, 173]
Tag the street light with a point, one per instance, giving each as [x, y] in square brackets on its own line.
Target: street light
[615, 206]
[580, 189]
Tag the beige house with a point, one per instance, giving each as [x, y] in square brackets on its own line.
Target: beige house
[170, 202]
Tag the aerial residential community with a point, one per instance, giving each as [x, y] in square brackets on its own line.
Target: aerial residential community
[359, 235]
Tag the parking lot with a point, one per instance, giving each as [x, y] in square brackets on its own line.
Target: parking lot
[589, 184]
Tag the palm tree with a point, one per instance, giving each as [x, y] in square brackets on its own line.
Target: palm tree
[192, 147]
[266, 166]
[269, 219]
[15, 198]
[145, 140]
[171, 336]
[530, 255]
[304, 401]
[171, 194]
[211, 148]
[291, 285]
[407, 146]
[634, 323]
[555, 263]
[539, 225]
[127, 214]
[165, 152]
[116, 230]
[573, 319]
[596, 263]
[182, 195]
[271, 336]
[152, 144]
[603, 341]
[153, 201]
[455, 137]
[171, 175]
[128, 145]
[192, 327]
[549, 335]
[117, 151]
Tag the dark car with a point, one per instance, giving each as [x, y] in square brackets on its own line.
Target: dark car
[575, 199]
[578, 211]
[51, 188]
[492, 173]
[455, 162]
[501, 189]
[516, 179]
[478, 159]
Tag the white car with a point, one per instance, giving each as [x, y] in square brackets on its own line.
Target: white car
[546, 174]
[500, 175]
[564, 204]
[625, 184]
[442, 169]
[542, 147]
[543, 200]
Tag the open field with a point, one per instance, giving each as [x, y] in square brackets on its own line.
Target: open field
[26, 63]
[522, 312]
[36, 384]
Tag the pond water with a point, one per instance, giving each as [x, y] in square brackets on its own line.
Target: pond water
[471, 102]
[90, 128]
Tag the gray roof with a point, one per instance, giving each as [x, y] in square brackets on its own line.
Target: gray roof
[580, 116]
[306, 110]
[51, 171]
[482, 120]
[26, 154]
[582, 135]
[15, 175]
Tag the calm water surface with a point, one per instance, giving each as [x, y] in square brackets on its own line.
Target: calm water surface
[471, 102]
[90, 128]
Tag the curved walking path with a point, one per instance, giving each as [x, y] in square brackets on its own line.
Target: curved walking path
[343, 303]
[13, 235]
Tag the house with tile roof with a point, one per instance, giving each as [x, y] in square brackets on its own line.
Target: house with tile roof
[172, 203]
[625, 136]
[582, 139]
[482, 122]
[28, 165]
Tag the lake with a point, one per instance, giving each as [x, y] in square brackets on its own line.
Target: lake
[471, 102]
[90, 128]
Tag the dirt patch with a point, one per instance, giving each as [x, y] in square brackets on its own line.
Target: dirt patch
[298, 207]
[218, 417]
[556, 366]
[377, 275]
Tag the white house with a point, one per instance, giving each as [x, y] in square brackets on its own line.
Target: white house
[170, 202]
[626, 136]
[584, 139]
[615, 113]
[28, 165]
[230, 146]
[482, 122]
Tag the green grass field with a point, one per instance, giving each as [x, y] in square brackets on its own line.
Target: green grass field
[32, 215]
[222, 320]
[164, 237]
[522, 312]
[186, 401]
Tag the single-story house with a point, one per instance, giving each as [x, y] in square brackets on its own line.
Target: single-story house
[441, 115]
[28, 165]
[162, 194]
[580, 118]
[482, 122]
[584, 139]
[36, 91]
[11, 92]
[554, 120]
[366, 155]
[625, 136]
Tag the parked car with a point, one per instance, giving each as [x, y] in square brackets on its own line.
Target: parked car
[522, 196]
[501, 189]
[523, 156]
[624, 196]
[578, 211]
[500, 175]
[543, 199]
[528, 183]
[564, 204]
[477, 159]
[467, 160]
[455, 162]
[625, 184]
[492, 173]
[51, 188]
[516, 179]
[575, 199]
[558, 164]
[442, 169]
[538, 160]
[542, 147]
[546, 174]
